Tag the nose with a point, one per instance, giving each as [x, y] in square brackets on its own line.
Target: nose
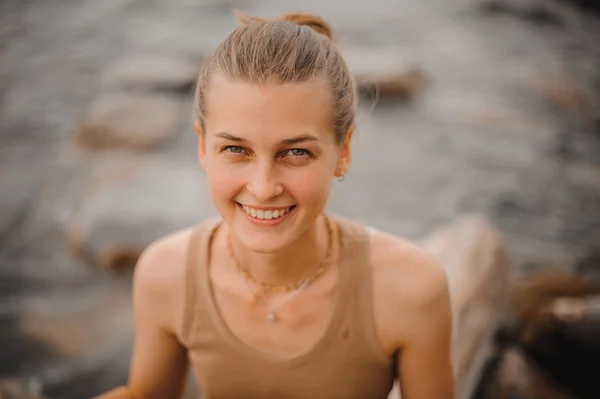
[263, 184]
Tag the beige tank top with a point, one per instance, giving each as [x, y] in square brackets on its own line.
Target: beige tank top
[347, 362]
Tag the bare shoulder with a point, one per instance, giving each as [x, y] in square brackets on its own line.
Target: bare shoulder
[159, 277]
[404, 268]
[410, 289]
[162, 264]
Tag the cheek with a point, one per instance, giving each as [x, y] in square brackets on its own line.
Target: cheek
[222, 181]
[310, 187]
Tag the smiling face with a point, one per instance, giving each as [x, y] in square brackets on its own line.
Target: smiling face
[270, 155]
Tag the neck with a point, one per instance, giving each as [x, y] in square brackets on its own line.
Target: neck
[292, 263]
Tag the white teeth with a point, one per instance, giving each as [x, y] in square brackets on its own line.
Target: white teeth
[265, 215]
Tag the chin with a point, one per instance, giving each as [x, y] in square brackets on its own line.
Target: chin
[262, 241]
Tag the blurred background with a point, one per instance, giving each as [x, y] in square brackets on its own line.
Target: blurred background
[467, 106]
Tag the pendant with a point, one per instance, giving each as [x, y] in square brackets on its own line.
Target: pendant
[271, 317]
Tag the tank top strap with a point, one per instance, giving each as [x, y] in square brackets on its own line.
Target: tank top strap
[197, 256]
[355, 263]
[354, 248]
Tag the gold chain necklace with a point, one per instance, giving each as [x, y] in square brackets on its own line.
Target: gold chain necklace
[270, 288]
[271, 315]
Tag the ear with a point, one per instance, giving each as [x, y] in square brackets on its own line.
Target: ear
[201, 145]
[345, 155]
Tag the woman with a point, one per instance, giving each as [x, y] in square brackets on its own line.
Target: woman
[276, 299]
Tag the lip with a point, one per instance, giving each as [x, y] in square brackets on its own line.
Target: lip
[266, 222]
[262, 208]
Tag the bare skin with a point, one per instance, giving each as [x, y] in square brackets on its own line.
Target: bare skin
[262, 163]
[412, 314]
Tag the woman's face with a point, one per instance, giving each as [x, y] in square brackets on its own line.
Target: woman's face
[270, 155]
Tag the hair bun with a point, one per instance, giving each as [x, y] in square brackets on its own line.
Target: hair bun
[312, 21]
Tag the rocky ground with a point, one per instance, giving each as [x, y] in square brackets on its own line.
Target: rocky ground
[502, 119]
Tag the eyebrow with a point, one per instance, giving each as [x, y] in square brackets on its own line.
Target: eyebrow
[294, 140]
[300, 139]
[230, 137]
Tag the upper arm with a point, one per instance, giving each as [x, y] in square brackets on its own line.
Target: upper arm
[159, 362]
[413, 316]
[424, 357]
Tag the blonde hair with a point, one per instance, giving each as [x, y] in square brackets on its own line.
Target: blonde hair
[294, 48]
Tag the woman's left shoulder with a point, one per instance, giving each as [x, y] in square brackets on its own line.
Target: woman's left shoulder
[405, 271]
[410, 290]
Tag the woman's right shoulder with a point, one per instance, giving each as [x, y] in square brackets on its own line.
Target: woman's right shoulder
[159, 279]
[161, 266]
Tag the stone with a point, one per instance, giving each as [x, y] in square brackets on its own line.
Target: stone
[519, 377]
[12, 388]
[506, 119]
[121, 219]
[589, 5]
[473, 253]
[542, 12]
[130, 120]
[151, 73]
[567, 94]
[10, 214]
[17, 191]
[386, 73]
[584, 175]
[555, 325]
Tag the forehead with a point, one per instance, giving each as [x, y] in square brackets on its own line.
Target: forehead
[272, 109]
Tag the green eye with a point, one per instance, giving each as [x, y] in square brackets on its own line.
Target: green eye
[234, 149]
[298, 152]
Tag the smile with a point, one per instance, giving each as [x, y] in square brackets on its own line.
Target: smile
[266, 214]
